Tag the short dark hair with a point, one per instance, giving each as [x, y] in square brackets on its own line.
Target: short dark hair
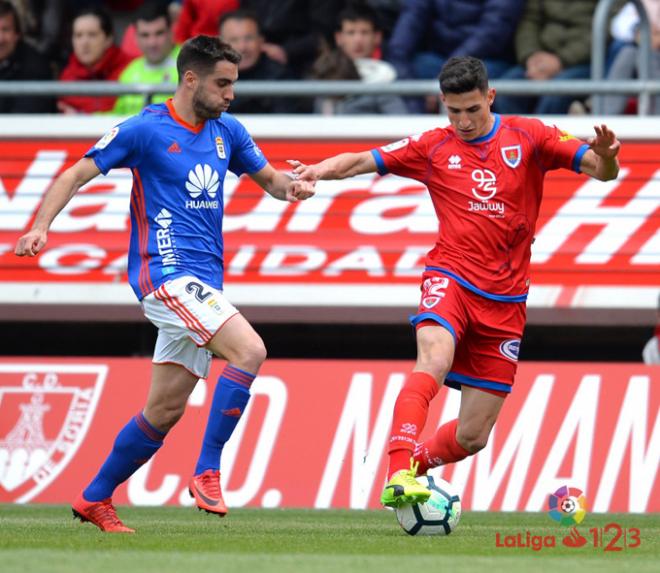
[9, 8]
[240, 14]
[104, 18]
[463, 74]
[153, 10]
[358, 12]
[201, 53]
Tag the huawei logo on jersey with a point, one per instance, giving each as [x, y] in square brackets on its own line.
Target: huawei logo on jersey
[202, 178]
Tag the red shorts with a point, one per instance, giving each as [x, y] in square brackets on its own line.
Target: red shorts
[486, 332]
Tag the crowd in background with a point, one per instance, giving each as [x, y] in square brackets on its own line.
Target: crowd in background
[137, 41]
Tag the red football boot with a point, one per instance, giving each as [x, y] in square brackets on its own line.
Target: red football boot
[100, 513]
[205, 488]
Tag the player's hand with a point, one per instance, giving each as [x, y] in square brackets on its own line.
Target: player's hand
[31, 243]
[304, 172]
[604, 144]
[299, 190]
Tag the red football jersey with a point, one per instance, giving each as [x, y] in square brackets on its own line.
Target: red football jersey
[486, 194]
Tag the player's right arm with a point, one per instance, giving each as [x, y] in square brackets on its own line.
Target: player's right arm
[60, 193]
[338, 167]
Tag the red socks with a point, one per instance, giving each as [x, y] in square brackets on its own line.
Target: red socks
[441, 448]
[410, 411]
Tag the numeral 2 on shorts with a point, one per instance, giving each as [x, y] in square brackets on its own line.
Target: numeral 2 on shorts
[198, 290]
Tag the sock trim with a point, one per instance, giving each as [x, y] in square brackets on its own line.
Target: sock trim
[237, 375]
[147, 429]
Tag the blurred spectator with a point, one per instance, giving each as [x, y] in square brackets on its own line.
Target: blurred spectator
[43, 23]
[624, 64]
[94, 57]
[201, 17]
[429, 32]
[240, 29]
[387, 12]
[20, 61]
[358, 39]
[293, 29]
[157, 65]
[553, 41]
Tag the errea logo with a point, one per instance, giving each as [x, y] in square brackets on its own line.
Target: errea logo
[454, 162]
[202, 178]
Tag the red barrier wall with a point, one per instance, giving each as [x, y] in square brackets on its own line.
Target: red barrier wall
[315, 434]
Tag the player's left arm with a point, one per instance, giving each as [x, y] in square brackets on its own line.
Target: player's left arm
[600, 160]
[282, 186]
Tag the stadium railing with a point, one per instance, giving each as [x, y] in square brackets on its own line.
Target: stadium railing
[644, 87]
[314, 88]
[599, 53]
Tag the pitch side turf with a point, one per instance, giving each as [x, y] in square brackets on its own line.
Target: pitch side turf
[47, 539]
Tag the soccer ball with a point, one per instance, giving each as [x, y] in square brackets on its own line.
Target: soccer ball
[438, 516]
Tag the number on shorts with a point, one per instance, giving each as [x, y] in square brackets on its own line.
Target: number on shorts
[437, 285]
[434, 291]
[198, 290]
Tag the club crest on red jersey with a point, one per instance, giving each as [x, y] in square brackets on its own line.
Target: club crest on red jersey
[512, 155]
[45, 412]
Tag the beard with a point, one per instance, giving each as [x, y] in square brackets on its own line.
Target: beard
[203, 109]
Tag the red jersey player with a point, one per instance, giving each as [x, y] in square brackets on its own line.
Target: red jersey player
[485, 176]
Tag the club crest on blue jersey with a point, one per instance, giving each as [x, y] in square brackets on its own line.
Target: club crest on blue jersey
[220, 147]
[510, 349]
[512, 155]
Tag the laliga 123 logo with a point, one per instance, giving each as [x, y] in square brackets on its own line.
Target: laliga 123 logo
[45, 413]
[567, 505]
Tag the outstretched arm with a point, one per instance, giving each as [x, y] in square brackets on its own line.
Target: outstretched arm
[600, 161]
[60, 193]
[338, 167]
[282, 186]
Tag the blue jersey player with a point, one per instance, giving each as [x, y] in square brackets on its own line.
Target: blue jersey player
[179, 153]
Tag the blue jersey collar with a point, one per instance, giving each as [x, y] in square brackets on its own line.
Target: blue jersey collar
[491, 133]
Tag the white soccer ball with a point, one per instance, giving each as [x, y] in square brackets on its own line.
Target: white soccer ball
[438, 516]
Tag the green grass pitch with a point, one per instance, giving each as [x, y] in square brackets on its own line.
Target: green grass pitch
[45, 538]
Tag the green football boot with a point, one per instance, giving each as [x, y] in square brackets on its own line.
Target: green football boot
[404, 488]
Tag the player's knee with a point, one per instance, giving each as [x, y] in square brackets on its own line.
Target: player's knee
[473, 440]
[251, 355]
[165, 416]
[438, 367]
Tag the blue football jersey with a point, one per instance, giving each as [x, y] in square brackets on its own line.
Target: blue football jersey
[177, 196]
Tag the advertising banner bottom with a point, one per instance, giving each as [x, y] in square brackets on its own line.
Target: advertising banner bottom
[315, 434]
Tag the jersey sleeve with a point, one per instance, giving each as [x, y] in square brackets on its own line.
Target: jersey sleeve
[246, 157]
[121, 147]
[559, 149]
[408, 157]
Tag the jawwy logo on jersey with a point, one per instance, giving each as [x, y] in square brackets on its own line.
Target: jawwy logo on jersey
[165, 241]
[512, 155]
[203, 178]
[510, 349]
[485, 190]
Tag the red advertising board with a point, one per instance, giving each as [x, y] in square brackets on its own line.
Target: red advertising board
[591, 238]
[315, 435]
